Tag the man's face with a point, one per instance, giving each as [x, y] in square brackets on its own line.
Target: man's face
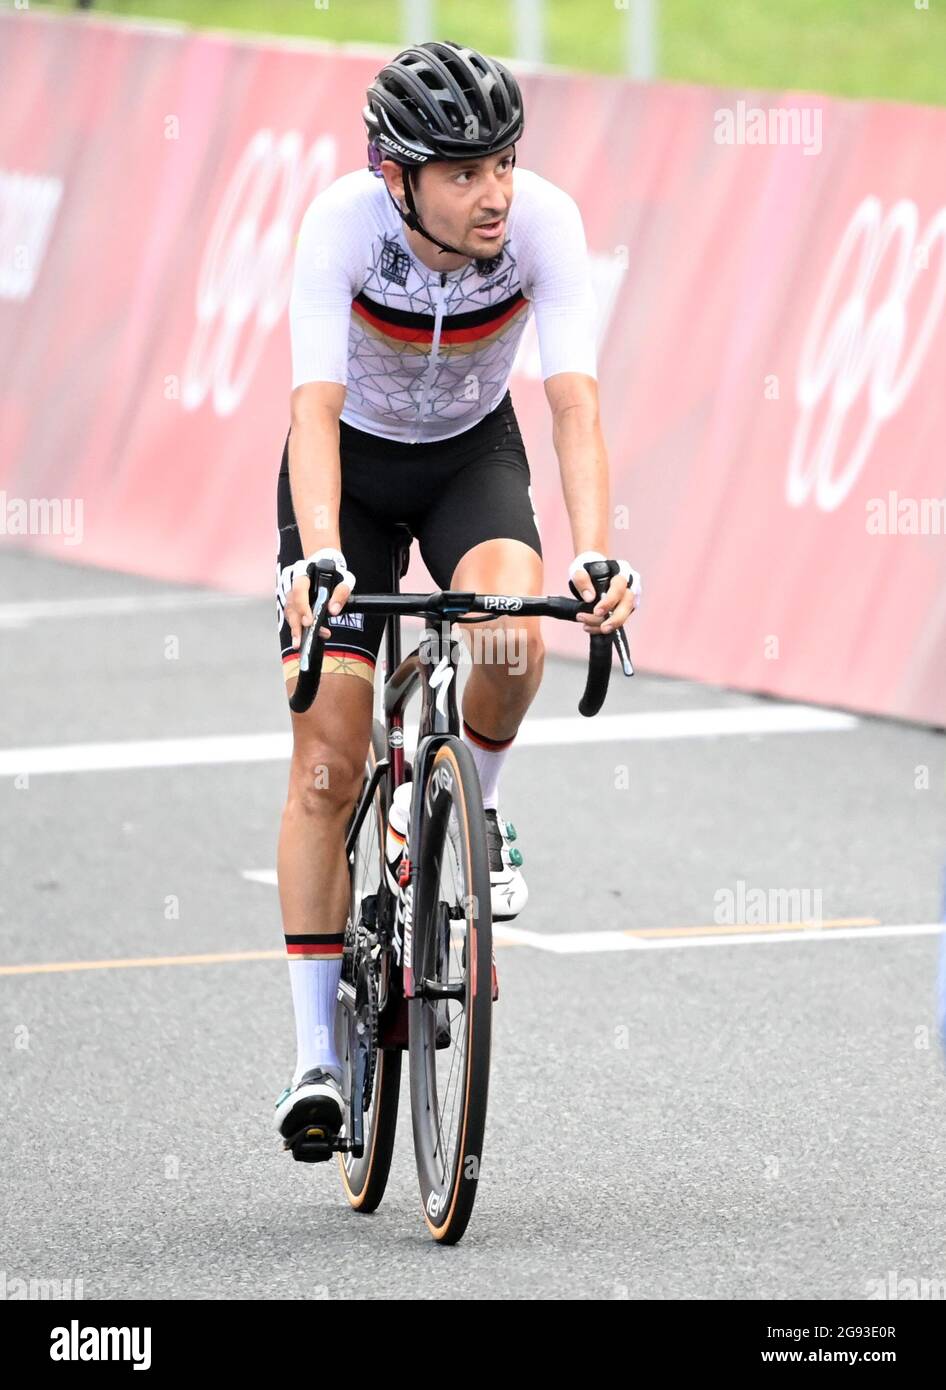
[463, 202]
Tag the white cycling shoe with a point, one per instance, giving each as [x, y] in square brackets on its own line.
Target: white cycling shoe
[316, 1101]
[508, 888]
[508, 891]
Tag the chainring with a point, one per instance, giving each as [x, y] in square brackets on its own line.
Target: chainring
[363, 1028]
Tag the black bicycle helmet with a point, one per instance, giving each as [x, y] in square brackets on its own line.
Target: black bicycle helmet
[440, 101]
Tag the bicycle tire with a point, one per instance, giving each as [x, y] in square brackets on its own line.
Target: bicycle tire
[365, 1179]
[448, 1184]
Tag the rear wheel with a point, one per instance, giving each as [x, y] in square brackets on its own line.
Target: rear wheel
[365, 1178]
[450, 1023]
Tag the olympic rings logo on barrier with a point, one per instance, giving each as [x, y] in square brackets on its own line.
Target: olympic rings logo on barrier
[863, 347]
[246, 273]
[28, 207]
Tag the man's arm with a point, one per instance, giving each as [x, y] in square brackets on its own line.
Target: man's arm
[314, 464]
[324, 277]
[583, 465]
[559, 273]
[329, 253]
[582, 458]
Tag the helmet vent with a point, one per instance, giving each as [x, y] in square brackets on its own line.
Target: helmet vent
[446, 102]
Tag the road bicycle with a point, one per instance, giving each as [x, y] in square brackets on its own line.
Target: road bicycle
[418, 968]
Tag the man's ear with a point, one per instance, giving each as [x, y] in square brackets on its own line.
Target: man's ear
[394, 178]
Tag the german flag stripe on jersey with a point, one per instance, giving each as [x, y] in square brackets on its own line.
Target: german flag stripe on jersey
[313, 947]
[400, 326]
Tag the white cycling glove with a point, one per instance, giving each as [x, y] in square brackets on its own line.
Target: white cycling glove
[291, 573]
[631, 576]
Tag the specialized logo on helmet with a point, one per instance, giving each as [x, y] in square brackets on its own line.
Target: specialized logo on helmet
[390, 144]
[854, 360]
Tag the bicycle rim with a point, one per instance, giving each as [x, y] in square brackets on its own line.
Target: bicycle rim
[453, 936]
[364, 1179]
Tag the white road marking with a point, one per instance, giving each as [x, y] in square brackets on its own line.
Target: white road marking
[749, 720]
[267, 876]
[592, 942]
[686, 723]
[20, 615]
[166, 752]
[570, 944]
[584, 943]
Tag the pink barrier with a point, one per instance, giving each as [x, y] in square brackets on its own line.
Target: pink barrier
[771, 273]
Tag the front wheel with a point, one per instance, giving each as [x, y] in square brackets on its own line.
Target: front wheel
[365, 1178]
[450, 1020]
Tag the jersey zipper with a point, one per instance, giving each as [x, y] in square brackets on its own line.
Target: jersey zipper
[434, 353]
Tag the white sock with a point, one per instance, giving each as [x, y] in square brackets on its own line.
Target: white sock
[489, 754]
[314, 999]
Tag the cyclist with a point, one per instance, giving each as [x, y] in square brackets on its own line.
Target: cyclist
[413, 281]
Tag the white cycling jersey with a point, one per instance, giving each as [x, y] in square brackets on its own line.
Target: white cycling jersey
[425, 354]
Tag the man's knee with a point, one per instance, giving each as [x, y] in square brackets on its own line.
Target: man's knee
[330, 745]
[325, 778]
[508, 649]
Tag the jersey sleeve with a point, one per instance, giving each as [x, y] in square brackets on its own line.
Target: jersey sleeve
[323, 286]
[557, 279]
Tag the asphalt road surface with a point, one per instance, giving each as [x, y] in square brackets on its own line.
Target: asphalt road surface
[693, 1095]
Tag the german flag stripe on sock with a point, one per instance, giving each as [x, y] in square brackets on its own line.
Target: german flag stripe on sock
[315, 947]
[492, 745]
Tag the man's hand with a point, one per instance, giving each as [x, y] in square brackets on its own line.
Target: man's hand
[299, 610]
[616, 605]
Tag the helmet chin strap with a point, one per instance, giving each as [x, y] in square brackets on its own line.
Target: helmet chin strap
[412, 216]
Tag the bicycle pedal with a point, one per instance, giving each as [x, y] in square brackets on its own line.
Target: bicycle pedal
[312, 1144]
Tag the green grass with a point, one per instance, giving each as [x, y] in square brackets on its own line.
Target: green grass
[858, 48]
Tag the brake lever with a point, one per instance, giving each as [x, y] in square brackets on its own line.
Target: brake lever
[624, 650]
[619, 635]
[322, 580]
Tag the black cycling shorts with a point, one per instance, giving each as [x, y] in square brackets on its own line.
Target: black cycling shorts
[451, 493]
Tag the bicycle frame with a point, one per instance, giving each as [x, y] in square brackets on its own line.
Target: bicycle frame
[432, 667]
